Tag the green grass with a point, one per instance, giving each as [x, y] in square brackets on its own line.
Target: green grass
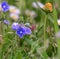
[42, 43]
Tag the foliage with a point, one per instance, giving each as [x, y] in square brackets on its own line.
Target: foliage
[42, 43]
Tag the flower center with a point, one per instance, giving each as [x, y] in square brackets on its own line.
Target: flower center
[13, 16]
[12, 10]
[20, 32]
[4, 6]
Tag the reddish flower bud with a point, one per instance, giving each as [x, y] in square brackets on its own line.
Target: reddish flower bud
[33, 27]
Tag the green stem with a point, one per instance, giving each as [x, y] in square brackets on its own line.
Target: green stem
[1, 30]
[56, 30]
[45, 28]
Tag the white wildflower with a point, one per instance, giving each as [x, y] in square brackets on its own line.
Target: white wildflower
[33, 14]
[30, 13]
[13, 9]
[34, 5]
[14, 16]
[40, 4]
[58, 21]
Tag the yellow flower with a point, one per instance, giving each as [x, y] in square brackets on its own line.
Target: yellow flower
[48, 6]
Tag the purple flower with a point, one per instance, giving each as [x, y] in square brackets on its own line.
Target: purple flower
[27, 30]
[15, 26]
[20, 32]
[5, 6]
[23, 31]
[6, 22]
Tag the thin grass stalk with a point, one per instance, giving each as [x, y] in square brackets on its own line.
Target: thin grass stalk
[45, 20]
[56, 30]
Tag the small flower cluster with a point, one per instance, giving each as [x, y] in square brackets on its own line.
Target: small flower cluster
[14, 12]
[21, 29]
